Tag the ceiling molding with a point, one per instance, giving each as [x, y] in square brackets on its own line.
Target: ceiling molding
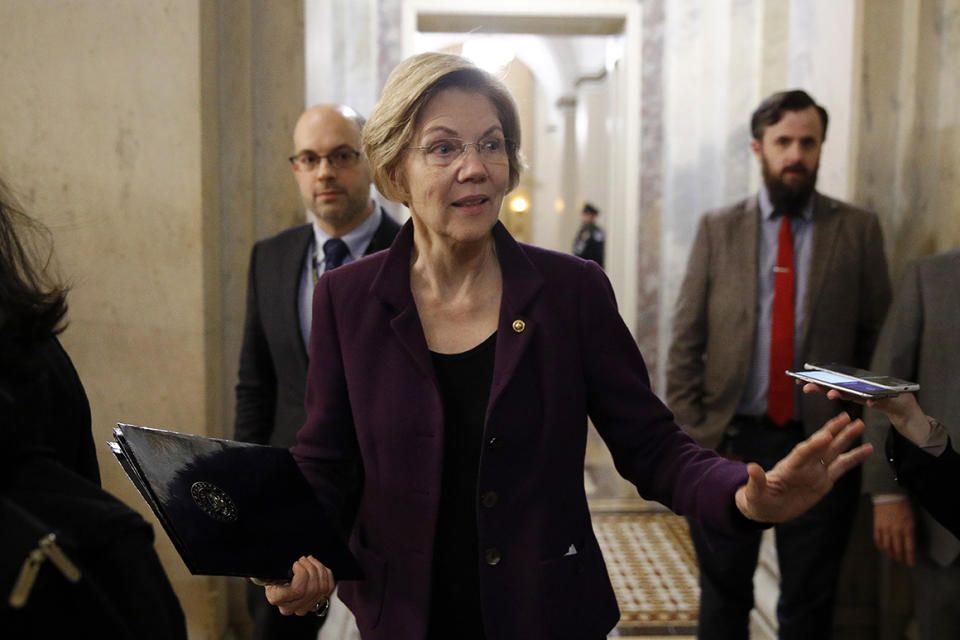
[579, 25]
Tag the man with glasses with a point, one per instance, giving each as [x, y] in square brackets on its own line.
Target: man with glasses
[344, 224]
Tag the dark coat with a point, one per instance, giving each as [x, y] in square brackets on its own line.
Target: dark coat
[931, 481]
[43, 406]
[50, 483]
[373, 441]
[273, 360]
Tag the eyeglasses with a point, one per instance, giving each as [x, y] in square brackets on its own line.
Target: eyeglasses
[493, 150]
[342, 158]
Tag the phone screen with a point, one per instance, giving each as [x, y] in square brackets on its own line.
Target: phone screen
[887, 382]
[838, 380]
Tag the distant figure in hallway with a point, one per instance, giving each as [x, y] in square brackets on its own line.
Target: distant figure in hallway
[344, 224]
[780, 278]
[590, 240]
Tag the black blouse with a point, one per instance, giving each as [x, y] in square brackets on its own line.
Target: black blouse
[464, 380]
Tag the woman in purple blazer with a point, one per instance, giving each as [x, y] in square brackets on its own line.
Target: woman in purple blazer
[450, 383]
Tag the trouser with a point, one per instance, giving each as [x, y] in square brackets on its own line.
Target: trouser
[936, 599]
[810, 549]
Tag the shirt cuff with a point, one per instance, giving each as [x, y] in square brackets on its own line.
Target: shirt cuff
[886, 498]
[937, 439]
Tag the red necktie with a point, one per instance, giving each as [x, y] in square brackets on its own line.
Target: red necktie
[780, 386]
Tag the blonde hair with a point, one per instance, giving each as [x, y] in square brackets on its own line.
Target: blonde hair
[412, 84]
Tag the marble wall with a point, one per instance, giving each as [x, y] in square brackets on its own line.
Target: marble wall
[342, 63]
[652, 169]
[908, 125]
[721, 58]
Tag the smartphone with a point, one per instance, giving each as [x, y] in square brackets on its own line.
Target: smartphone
[845, 384]
[887, 382]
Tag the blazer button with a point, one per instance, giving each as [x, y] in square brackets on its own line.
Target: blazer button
[489, 499]
[492, 557]
[495, 443]
[519, 326]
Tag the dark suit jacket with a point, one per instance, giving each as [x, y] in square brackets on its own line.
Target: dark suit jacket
[921, 341]
[273, 360]
[848, 291]
[375, 427]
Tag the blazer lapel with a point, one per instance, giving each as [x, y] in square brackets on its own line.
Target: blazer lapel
[821, 256]
[515, 330]
[747, 270]
[288, 286]
[392, 286]
[521, 283]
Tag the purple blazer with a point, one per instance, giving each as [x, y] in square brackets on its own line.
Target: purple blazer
[373, 441]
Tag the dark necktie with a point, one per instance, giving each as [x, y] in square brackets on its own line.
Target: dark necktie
[334, 252]
[780, 387]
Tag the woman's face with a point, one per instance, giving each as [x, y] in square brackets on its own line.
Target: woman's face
[455, 195]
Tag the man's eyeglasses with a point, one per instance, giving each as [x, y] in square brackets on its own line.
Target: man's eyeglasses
[342, 158]
[492, 150]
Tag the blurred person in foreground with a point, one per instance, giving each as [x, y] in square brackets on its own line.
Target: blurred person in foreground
[916, 515]
[450, 383]
[107, 579]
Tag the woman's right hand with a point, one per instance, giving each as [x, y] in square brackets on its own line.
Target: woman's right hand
[307, 592]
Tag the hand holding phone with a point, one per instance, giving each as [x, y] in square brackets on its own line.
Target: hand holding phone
[859, 387]
[880, 380]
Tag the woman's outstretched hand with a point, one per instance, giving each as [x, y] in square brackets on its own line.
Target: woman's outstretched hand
[805, 475]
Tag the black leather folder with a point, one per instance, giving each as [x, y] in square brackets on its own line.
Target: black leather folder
[231, 508]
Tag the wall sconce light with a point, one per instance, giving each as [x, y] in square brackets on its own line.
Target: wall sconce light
[519, 204]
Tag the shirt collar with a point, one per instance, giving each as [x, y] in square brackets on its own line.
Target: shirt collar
[766, 207]
[357, 239]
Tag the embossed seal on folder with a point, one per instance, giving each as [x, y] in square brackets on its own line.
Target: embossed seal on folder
[214, 501]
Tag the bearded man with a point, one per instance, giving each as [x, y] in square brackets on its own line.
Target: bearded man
[783, 277]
